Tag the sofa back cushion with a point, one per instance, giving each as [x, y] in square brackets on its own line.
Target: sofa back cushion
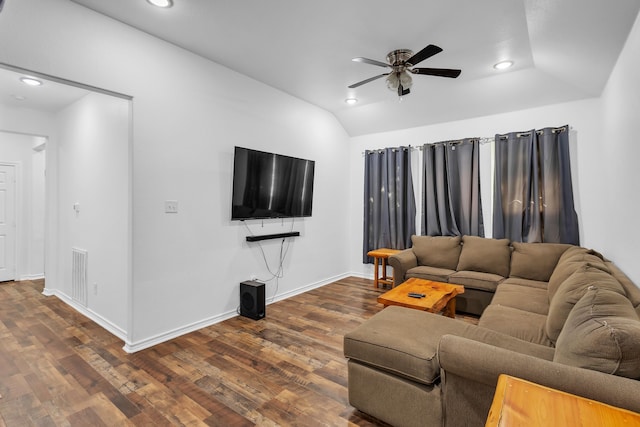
[485, 255]
[437, 251]
[630, 288]
[570, 261]
[570, 292]
[535, 261]
[602, 333]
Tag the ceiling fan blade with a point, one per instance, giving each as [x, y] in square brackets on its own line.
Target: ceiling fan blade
[370, 79]
[425, 53]
[440, 72]
[371, 61]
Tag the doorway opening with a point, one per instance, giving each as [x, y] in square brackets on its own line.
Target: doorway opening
[85, 196]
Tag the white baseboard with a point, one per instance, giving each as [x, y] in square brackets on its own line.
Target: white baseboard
[106, 324]
[360, 275]
[132, 347]
[303, 289]
[30, 277]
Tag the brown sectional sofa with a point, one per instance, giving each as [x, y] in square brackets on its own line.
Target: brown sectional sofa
[557, 315]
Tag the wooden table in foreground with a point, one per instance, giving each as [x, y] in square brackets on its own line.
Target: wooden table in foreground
[518, 402]
[438, 296]
[377, 255]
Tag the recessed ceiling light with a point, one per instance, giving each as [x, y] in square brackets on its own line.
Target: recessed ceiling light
[161, 3]
[30, 81]
[18, 97]
[351, 101]
[503, 65]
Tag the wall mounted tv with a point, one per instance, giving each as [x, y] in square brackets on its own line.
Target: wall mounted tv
[269, 185]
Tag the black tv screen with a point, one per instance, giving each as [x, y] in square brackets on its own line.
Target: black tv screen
[268, 185]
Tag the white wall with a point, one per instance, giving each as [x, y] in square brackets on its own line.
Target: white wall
[188, 113]
[93, 174]
[190, 264]
[584, 117]
[26, 121]
[37, 230]
[617, 168]
[18, 149]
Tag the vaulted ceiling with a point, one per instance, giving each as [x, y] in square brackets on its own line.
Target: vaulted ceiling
[562, 50]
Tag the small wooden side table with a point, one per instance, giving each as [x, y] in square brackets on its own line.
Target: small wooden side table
[517, 402]
[377, 255]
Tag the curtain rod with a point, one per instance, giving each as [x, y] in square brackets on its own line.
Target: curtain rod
[394, 149]
[538, 132]
[482, 140]
[419, 147]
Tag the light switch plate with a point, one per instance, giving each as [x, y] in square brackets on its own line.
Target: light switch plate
[171, 206]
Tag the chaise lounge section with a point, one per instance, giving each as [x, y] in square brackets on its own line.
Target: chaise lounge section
[557, 315]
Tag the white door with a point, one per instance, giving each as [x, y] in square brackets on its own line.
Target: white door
[7, 223]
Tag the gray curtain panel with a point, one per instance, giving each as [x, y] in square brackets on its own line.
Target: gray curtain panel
[389, 202]
[451, 203]
[533, 192]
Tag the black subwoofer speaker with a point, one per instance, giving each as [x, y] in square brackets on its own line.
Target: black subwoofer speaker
[252, 299]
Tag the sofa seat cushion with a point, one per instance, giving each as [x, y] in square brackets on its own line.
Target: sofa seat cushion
[526, 282]
[601, 333]
[535, 261]
[437, 251]
[476, 280]
[525, 298]
[402, 341]
[517, 323]
[570, 292]
[485, 255]
[429, 273]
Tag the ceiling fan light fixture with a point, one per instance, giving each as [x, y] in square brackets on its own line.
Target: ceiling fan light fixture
[405, 80]
[161, 3]
[393, 81]
[503, 65]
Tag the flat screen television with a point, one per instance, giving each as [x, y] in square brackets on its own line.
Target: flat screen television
[269, 185]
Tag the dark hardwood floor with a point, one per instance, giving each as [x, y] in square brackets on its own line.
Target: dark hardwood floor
[57, 368]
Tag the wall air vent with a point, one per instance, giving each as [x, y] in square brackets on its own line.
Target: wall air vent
[79, 288]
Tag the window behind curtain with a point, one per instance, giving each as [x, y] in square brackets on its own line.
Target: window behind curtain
[451, 201]
[389, 202]
[533, 191]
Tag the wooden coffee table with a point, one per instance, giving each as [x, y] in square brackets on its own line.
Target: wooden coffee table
[439, 297]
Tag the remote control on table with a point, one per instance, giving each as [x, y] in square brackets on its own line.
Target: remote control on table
[416, 295]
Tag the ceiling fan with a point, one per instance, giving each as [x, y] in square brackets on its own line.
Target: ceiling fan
[401, 62]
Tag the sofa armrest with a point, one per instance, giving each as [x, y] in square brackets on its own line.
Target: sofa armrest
[401, 262]
[469, 363]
